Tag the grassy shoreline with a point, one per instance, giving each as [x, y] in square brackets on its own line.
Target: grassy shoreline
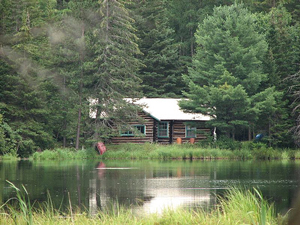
[168, 152]
[237, 207]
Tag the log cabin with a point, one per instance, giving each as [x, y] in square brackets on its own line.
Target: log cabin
[163, 122]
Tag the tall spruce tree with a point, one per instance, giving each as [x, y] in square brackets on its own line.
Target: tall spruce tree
[115, 66]
[22, 104]
[284, 52]
[72, 57]
[227, 71]
[161, 74]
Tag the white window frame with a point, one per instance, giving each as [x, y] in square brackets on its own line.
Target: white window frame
[159, 129]
[132, 132]
[188, 130]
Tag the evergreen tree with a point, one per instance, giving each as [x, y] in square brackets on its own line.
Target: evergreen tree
[227, 70]
[161, 74]
[116, 64]
[184, 17]
[284, 53]
[22, 103]
[295, 78]
[72, 57]
[26, 118]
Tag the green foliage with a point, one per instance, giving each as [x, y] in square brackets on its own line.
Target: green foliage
[259, 211]
[229, 41]
[238, 206]
[283, 55]
[24, 208]
[226, 77]
[2, 136]
[11, 140]
[64, 153]
[161, 73]
[55, 55]
[228, 143]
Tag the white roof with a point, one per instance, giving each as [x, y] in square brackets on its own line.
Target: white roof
[167, 109]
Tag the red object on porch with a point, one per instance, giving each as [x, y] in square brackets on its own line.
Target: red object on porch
[101, 147]
[192, 140]
[178, 140]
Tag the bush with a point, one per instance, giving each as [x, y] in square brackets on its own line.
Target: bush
[244, 154]
[228, 143]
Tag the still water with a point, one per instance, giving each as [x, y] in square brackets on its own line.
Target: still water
[148, 186]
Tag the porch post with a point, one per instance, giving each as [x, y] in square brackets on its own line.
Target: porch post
[154, 131]
[171, 132]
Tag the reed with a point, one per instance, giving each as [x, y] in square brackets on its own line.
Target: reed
[248, 206]
[22, 212]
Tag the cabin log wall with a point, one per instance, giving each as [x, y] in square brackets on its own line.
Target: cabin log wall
[177, 129]
[148, 121]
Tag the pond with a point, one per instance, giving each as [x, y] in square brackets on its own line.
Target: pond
[148, 186]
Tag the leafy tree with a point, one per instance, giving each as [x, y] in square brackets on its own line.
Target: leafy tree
[227, 71]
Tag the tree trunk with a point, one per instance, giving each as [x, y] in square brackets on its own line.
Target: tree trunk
[269, 130]
[192, 44]
[80, 91]
[249, 132]
[78, 126]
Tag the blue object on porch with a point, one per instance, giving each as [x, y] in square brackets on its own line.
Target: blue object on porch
[259, 137]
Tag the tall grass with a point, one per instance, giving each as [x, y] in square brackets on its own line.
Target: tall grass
[66, 153]
[236, 207]
[22, 211]
[248, 206]
[174, 151]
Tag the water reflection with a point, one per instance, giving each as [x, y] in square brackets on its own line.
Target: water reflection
[170, 193]
[147, 186]
[148, 190]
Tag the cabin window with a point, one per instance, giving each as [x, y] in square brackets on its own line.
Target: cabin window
[163, 129]
[190, 132]
[141, 128]
[135, 131]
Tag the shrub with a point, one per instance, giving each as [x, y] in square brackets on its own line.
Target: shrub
[228, 143]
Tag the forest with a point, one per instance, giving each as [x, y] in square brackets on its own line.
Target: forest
[237, 61]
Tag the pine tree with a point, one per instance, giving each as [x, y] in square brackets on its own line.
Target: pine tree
[227, 70]
[161, 74]
[284, 49]
[114, 77]
[69, 39]
[22, 104]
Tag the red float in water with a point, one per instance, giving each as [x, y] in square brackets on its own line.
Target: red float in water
[101, 147]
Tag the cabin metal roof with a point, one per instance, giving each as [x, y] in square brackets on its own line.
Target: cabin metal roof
[167, 109]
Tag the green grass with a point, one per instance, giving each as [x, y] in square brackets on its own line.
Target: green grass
[62, 154]
[236, 207]
[167, 152]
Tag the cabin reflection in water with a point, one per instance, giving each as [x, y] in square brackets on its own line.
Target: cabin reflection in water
[169, 193]
[151, 192]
